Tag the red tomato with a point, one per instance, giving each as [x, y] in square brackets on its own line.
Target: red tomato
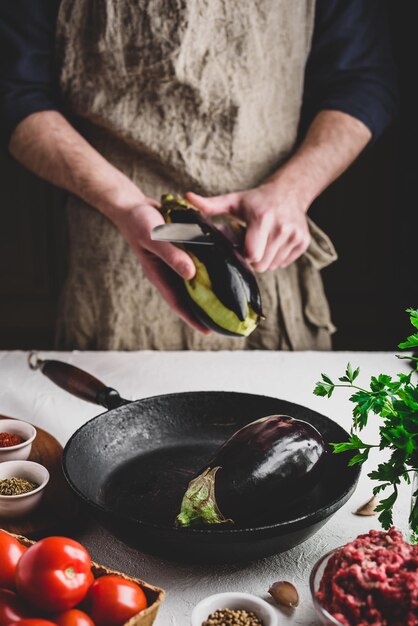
[34, 621]
[113, 600]
[54, 574]
[73, 617]
[10, 552]
[11, 608]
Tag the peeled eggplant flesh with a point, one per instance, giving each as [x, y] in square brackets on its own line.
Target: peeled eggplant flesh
[224, 293]
[269, 462]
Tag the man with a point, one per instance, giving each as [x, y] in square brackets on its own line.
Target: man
[206, 97]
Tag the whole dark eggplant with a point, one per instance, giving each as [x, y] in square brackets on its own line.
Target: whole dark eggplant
[274, 460]
[224, 293]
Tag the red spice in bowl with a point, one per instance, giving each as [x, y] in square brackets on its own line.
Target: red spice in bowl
[8, 439]
[372, 581]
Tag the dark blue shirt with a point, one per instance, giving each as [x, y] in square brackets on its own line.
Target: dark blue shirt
[350, 67]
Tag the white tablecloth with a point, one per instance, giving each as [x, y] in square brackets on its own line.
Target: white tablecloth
[291, 376]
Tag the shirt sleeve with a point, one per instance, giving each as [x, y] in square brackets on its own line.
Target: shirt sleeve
[350, 67]
[27, 78]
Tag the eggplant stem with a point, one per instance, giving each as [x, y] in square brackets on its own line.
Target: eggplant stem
[199, 502]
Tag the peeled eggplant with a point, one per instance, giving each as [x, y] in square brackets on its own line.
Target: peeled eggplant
[224, 293]
[274, 460]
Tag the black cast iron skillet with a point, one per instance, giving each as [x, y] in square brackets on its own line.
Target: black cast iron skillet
[131, 466]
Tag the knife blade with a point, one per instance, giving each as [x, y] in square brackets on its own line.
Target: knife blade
[181, 233]
[233, 228]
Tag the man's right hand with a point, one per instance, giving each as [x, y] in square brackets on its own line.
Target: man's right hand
[50, 147]
[156, 257]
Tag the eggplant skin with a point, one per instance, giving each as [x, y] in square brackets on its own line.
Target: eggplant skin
[266, 464]
[224, 293]
[207, 321]
[212, 311]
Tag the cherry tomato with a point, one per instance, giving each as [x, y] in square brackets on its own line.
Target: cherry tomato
[54, 574]
[113, 600]
[10, 552]
[73, 617]
[11, 608]
[34, 621]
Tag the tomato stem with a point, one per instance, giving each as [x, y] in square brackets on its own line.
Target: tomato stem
[70, 572]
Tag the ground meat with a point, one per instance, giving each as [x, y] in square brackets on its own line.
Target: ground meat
[372, 581]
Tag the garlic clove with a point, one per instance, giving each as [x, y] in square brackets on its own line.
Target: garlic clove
[284, 593]
[368, 508]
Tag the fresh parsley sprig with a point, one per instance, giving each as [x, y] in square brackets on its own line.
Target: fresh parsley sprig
[395, 400]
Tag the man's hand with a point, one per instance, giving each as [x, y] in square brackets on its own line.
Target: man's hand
[136, 224]
[275, 212]
[277, 229]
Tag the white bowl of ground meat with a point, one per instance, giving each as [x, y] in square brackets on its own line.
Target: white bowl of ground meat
[371, 580]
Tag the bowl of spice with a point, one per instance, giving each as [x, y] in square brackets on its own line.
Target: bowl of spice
[16, 439]
[234, 609]
[22, 485]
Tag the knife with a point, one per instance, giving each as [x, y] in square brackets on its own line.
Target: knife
[233, 228]
[181, 233]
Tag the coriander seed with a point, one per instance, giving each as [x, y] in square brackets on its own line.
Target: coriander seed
[232, 617]
[16, 486]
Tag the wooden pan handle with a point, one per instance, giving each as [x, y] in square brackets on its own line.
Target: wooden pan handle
[77, 382]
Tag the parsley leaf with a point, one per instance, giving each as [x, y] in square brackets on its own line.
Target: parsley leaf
[395, 401]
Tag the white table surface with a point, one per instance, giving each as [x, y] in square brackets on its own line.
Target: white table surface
[291, 376]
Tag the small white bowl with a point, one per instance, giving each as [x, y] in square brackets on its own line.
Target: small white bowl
[21, 505]
[235, 600]
[22, 451]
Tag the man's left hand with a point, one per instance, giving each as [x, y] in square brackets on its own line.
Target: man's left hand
[277, 228]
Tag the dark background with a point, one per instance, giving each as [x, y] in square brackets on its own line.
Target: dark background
[370, 214]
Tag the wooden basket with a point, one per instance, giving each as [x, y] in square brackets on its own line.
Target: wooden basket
[154, 595]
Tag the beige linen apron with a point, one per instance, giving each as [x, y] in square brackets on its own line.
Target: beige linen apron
[180, 95]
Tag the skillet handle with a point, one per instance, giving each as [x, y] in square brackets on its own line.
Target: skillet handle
[77, 382]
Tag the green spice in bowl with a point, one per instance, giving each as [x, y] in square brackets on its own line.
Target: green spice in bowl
[22, 485]
[16, 486]
[234, 608]
[232, 617]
